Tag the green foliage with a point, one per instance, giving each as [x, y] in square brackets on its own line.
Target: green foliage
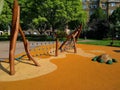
[44, 14]
[101, 42]
[98, 15]
[6, 16]
[99, 25]
[62, 12]
[37, 22]
[115, 16]
[60, 34]
[4, 38]
[98, 30]
[115, 22]
[1, 5]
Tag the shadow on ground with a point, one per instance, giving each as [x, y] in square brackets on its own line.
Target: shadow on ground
[118, 51]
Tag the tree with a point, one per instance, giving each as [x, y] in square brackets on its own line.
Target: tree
[98, 14]
[115, 16]
[114, 19]
[53, 13]
[43, 14]
[99, 24]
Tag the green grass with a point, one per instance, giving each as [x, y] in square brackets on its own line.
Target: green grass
[99, 42]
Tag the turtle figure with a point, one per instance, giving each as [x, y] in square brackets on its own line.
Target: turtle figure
[104, 58]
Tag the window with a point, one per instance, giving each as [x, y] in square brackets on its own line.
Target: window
[103, 5]
[93, 6]
[112, 4]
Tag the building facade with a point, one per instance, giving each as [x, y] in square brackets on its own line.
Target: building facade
[107, 5]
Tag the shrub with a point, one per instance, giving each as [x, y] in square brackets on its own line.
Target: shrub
[4, 38]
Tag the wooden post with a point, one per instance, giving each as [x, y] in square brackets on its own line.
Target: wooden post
[79, 31]
[56, 50]
[13, 40]
[75, 49]
[14, 33]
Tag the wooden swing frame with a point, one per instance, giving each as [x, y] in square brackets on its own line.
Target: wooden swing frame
[74, 37]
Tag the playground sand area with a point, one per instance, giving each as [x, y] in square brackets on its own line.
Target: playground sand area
[67, 71]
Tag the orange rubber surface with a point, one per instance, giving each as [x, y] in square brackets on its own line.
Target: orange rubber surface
[76, 72]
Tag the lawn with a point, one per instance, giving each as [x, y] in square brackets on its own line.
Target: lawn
[116, 43]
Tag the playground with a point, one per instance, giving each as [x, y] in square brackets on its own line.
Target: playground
[56, 65]
[67, 71]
